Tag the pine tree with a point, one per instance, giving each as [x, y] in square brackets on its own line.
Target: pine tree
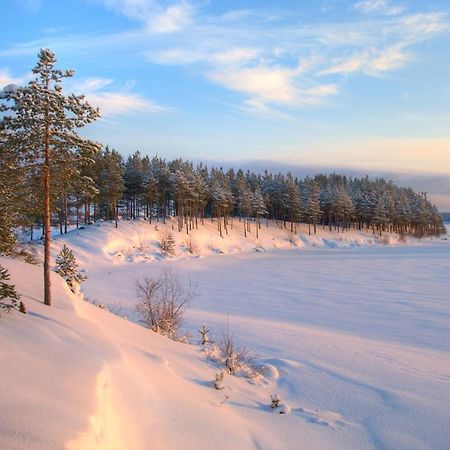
[67, 268]
[167, 243]
[9, 298]
[259, 208]
[293, 201]
[42, 128]
[312, 203]
[109, 181]
[10, 180]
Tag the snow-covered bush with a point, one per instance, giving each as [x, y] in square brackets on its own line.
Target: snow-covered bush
[191, 245]
[9, 298]
[67, 267]
[292, 238]
[167, 243]
[277, 406]
[26, 254]
[204, 332]
[218, 382]
[162, 301]
[233, 357]
[275, 400]
[259, 247]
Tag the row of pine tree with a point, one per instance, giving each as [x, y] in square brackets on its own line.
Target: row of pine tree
[110, 187]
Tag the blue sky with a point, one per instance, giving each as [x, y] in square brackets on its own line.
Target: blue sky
[362, 85]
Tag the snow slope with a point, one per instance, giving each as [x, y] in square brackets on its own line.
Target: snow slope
[138, 241]
[355, 340]
[76, 377]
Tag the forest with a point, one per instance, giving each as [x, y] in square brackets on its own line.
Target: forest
[49, 173]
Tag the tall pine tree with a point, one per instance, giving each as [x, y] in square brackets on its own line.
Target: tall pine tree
[41, 126]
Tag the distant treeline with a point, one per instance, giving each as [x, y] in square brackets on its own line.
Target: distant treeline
[446, 216]
[110, 187]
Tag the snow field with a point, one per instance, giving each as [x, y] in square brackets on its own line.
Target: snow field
[354, 339]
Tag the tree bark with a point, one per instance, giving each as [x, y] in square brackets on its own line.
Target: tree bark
[47, 233]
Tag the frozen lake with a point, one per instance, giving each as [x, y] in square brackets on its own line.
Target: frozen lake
[362, 332]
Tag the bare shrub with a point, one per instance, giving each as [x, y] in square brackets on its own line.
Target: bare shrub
[274, 400]
[233, 357]
[292, 238]
[167, 243]
[204, 333]
[28, 255]
[218, 381]
[191, 245]
[259, 247]
[162, 301]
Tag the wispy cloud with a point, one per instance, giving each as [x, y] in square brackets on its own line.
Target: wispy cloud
[6, 78]
[270, 60]
[100, 92]
[30, 6]
[117, 103]
[157, 18]
[171, 19]
[270, 84]
[372, 62]
[394, 49]
[379, 7]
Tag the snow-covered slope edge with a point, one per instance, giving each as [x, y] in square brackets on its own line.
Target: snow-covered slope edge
[77, 377]
[138, 241]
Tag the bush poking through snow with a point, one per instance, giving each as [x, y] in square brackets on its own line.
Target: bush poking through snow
[191, 245]
[67, 268]
[218, 382]
[204, 332]
[9, 298]
[277, 406]
[27, 255]
[233, 357]
[167, 243]
[275, 400]
[292, 238]
[162, 301]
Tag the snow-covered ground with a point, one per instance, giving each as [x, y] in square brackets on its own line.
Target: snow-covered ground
[355, 335]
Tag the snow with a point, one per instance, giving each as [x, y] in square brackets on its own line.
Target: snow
[351, 333]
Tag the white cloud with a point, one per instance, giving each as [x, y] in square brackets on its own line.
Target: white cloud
[30, 6]
[6, 78]
[372, 62]
[236, 55]
[173, 18]
[390, 58]
[271, 61]
[93, 84]
[267, 83]
[114, 102]
[180, 56]
[157, 19]
[419, 27]
[378, 7]
[270, 85]
[117, 103]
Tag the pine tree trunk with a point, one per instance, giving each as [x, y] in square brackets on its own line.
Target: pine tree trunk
[116, 212]
[65, 213]
[47, 234]
[60, 216]
[78, 213]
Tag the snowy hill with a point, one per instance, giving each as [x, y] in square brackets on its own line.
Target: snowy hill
[77, 377]
[354, 339]
[138, 241]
